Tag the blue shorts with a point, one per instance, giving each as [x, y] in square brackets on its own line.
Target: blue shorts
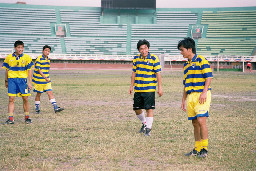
[18, 87]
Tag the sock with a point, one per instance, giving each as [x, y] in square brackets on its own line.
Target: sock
[37, 104]
[26, 115]
[54, 104]
[11, 116]
[205, 144]
[149, 121]
[142, 118]
[198, 146]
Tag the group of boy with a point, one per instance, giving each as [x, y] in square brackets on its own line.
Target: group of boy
[18, 79]
[146, 75]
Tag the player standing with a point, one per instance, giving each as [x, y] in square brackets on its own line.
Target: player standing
[18, 68]
[197, 80]
[42, 81]
[145, 76]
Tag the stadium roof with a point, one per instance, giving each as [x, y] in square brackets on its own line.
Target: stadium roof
[159, 3]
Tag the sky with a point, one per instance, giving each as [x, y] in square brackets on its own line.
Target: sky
[159, 3]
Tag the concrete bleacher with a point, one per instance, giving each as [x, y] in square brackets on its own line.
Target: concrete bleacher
[228, 33]
[91, 45]
[33, 44]
[27, 21]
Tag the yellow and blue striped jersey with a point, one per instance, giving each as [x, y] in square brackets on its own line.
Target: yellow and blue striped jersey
[18, 66]
[195, 74]
[145, 73]
[43, 64]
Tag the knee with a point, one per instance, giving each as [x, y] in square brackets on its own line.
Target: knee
[195, 123]
[25, 99]
[11, 100]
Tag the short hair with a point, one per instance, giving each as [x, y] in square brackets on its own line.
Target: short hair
[47, 46]
[187, 43]
[142, 42]
[18, 42]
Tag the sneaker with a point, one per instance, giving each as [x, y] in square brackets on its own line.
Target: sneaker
[142, 129]
[202, 153]
[37, 111]
[58, 109]
[192, 153]
[147, 132]
[9, 122]
[28, 121]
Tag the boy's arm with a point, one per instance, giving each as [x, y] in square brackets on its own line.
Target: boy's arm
[132, 82]
[42, 74]
[29, 79]
[159, 81]
[203, 95]
[6, 78]
[183, 104]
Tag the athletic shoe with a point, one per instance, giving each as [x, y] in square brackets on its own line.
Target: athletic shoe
[37, 111]
[202, 153]
[147, 132]
[28, 121]
[142, 129]
[191, 153]
[9, 122]
[58, 109]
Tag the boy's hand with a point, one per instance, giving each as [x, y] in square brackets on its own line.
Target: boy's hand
[29, 86]
[47, 79]
[160, 91]
[130, 90]
[6, 84]
[202, 98]
[183, 106]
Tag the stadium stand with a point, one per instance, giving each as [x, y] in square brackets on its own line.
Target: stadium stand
[89, 30]
[229, 33]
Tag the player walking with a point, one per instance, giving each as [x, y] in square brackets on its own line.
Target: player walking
[145, 76]
[42, 81]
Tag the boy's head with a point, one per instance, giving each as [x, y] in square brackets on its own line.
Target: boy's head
[46, 50]
[143, 47]
[19, 47]
[187, 43]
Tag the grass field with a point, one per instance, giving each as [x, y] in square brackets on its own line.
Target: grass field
[99, 131]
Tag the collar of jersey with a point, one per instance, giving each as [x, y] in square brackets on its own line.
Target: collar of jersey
[16, 56]
[43, 57]
[148, 57]
[194, 58]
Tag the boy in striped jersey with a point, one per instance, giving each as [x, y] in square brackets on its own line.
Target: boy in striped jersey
[42, 81]
[197, 80]
[145, 76]
[18, 67]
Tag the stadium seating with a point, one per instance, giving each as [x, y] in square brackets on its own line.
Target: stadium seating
[227, 31]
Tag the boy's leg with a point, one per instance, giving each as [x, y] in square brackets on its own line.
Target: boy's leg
[141, 115]
[26, 109]
[53, 102]
[37, 102]
[11, 110]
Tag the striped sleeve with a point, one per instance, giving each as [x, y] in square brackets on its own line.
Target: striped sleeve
[157, 66]
[5, 64]
[38, 63]
[134, 65]
[30, 63]
[206, 69]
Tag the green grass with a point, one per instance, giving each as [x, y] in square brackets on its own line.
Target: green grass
[98, 129]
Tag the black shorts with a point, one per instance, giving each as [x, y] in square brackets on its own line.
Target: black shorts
[144, 100]
[248, 67]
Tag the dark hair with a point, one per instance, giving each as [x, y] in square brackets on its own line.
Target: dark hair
[187, 43]
[46, 46]
[142, 42]
[18, 42]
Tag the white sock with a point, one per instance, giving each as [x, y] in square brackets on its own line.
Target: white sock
[142, 117]
[54, 104]
[149, 121]
[37, 102]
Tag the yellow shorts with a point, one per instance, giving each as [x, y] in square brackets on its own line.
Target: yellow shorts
[40, 88]
[194, 108]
